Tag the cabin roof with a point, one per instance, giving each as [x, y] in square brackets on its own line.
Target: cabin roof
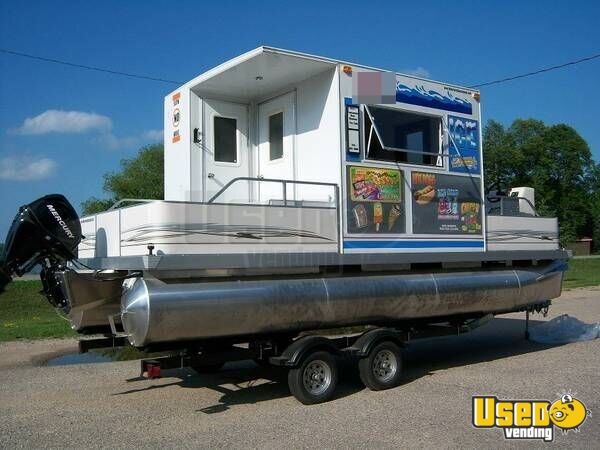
[265, 70]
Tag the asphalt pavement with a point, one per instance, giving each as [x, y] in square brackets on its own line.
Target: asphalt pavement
[107, 405]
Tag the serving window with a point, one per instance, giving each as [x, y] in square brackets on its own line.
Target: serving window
[402, 136]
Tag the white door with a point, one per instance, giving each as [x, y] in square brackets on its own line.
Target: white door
[276, 132]
[225, 150]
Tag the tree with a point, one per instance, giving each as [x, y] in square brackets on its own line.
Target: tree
[139, 177]
[500, 153]
[595, 211]
[556, 161]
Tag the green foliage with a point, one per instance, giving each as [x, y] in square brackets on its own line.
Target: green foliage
[583, 272]
[501, 155]
[96, 205]
[26, 314]
[595, 207]
[556, 161]
[140, 177]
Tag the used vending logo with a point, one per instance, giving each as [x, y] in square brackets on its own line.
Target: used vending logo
[529, 419]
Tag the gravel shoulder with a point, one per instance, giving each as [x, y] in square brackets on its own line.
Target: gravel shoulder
[107, 405]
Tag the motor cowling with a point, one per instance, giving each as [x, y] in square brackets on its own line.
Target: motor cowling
[45, 231]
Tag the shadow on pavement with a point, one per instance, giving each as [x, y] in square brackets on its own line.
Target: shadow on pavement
[501, 338]
[246, 383]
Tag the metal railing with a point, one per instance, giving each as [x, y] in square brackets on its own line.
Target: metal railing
[283, 183]
[503, 210]
[123, 201]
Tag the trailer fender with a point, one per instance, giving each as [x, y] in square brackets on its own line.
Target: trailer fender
[363, 345]
[295, 352]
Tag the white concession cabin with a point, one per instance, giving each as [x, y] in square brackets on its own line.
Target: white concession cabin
[277, 151]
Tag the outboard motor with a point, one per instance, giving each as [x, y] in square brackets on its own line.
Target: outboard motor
[46, 232]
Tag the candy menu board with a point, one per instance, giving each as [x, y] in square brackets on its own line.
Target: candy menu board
[375, 200]
[372, 184]
[445, 204]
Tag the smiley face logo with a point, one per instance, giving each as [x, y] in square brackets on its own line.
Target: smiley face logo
[568, 413]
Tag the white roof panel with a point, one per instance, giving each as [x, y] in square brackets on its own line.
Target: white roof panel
[265, 70]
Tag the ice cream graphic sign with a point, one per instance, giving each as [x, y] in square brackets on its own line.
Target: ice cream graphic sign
[375, 202]
[463, 145]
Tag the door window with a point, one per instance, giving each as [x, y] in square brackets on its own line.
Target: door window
[276, 136]
[225, 131]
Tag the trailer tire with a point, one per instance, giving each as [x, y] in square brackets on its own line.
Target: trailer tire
[314, 380]
[382, 367]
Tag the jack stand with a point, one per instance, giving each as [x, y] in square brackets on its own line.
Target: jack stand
[527, 324]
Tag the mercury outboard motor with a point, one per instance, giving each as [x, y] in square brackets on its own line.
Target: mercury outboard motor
[46, 232]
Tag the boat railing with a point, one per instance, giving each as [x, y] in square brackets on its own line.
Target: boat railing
[124, 201]
[332, 202]
[501, 205]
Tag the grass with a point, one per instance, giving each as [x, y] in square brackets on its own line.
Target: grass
[582, 273]
[25, 314]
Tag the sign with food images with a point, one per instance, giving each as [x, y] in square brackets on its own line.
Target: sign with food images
[446, 204]
[375, 201]
[463, 145]
[373, 184]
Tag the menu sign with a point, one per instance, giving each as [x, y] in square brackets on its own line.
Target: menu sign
[446, 204]
[375, 185]
[375, 201]
[463, 145]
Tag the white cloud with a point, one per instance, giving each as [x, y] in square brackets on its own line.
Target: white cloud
[56, 121]
[421, 72]
[153, 135]
[26, 169]
[112, 142]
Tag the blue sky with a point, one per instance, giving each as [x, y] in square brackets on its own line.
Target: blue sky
[82, 123]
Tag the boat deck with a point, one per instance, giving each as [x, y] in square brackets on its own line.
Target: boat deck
[290, 260]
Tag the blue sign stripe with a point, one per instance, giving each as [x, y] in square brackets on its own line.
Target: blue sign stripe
[413, 244]
[429, 98]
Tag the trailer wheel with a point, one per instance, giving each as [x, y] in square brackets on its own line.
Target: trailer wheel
[315, 379]
[382, 368]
